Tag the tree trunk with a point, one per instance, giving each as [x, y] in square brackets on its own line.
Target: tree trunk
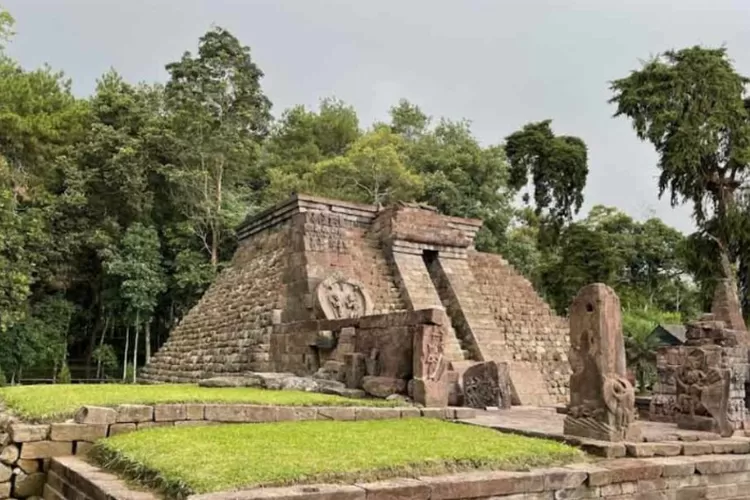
[216, 229]
[125, 356]
[148, 341]
[135, 344]
[101, 343]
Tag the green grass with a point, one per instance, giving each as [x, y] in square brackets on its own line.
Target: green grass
[43, 403]
[182, 461]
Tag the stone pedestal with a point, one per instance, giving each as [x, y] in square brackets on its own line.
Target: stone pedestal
[602, 401]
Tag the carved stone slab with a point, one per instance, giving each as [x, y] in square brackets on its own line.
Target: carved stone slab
[430, 386]
[602, 400]
[340, 297]
[486, 384]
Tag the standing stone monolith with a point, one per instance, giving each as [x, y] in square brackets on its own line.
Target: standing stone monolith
[602, 400]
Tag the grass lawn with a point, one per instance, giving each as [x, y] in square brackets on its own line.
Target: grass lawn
[56, 402]
[182, 461]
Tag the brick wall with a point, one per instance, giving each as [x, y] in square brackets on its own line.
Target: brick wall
[535, 338]
[228, 331]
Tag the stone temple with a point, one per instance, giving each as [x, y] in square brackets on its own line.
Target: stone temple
[321, 284]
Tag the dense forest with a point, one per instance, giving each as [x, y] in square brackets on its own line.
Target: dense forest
[117, 210]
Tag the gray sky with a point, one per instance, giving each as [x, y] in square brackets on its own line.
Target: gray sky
[497, 63]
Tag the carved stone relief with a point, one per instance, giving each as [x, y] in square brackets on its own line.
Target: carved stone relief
[340, 297]
[602, 400]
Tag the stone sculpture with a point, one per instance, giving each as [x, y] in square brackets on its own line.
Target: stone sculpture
[430, 386]
[486, 385]
[602, 401]
[709, 375]
[340, 297]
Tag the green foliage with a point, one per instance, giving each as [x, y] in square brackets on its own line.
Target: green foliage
[691, 105]
[105, 356]
[557, 166]
[130, 372]
[63, 376]
[3, 379]
[231, 457]
[6, 27]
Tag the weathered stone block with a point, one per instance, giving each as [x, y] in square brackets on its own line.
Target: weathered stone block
[46, 449]
[286, 413]
[240, 413]
[135, 413]
[24, 433]
[623, 470]
[438, 413]
[170, 413]
[376, 413]
[301, 492]
[82, 448]
[697, 448]
[27, 485]
[355, 369]
[95, 415]
[116, 429]
[194, 411]
[5, 490]
[9, 454]
[29, 466]
[642, 450]
[722, 464]
[483, 484]
[396, 489]
[336, 413]
[382, 387]
[6, 473]
[486, 384]
[148, 425]
[77, 432]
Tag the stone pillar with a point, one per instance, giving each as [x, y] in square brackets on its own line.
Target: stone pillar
[602, 401]
[430, 367]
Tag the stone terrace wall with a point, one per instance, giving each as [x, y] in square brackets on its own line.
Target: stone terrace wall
[534, 336]
[228, 331]
[671, 478]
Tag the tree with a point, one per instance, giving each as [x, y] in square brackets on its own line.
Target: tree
[461, 178]
[220, 118]
[557, 166]
[372, 171]
[691, 106]
[6, 27]
[300, 140]
[137, 266]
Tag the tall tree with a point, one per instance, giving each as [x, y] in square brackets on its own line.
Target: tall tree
[691, 105]
[220, 117]
[557, 167]
[137, 266]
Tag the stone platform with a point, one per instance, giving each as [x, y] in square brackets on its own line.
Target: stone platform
[659, 439]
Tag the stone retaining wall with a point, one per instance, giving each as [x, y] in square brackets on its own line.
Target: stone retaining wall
[717, 477]
[26, 449]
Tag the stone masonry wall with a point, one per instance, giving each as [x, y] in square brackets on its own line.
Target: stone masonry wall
[534, 336]
[344, 243]
[228, 331]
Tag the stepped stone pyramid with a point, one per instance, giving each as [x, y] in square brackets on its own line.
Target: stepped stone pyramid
[407, 257]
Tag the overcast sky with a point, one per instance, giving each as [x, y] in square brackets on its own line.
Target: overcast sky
[498, 63]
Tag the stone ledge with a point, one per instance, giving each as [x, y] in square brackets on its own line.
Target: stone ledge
[716, 476]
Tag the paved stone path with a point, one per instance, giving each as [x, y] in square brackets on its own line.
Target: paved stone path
[546, 422]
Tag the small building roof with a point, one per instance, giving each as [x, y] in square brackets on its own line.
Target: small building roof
[676, 331]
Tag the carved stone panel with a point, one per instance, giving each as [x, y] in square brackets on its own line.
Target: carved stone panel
[602, 400]
[486, 384]
[703, 391]
[430, 367]
[340, 297]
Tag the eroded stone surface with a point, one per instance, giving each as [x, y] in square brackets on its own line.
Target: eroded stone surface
[486, 384]
[602, 401]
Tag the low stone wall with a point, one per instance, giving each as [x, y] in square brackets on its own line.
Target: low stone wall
[26, 449]
[70, 478]
[717, 477]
